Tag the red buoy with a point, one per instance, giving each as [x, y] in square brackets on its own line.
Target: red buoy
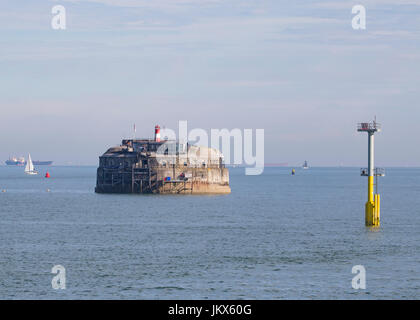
[47, 175]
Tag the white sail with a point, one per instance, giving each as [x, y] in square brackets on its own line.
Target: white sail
[28, 165]
[29, 168]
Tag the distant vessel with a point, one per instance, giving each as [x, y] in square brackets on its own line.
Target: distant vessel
[16, 161]
[29, 168]
[21, 162]
[305, 165]
[42, 163]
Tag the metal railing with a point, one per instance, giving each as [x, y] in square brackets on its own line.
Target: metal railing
[378, 172]
[369, 126]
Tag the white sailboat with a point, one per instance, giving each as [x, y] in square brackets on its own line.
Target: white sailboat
[305, 165]
[29, 168]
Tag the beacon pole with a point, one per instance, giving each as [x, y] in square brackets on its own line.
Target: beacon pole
[372, 207]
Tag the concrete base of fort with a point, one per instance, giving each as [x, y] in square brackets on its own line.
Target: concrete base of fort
[170, 188]
[199, 181]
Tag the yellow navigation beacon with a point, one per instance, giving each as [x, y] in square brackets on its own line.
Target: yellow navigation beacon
[373, 205]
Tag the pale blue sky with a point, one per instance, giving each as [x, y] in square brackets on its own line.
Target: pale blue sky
[294, 68]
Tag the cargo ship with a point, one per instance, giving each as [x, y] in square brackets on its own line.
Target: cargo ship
[13, 161]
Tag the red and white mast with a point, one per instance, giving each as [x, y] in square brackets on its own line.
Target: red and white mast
[157, 133]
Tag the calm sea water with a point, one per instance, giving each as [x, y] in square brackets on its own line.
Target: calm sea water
[276, 236]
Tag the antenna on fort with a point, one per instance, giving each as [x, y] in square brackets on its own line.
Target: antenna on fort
[134, 132]
[372, 208]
